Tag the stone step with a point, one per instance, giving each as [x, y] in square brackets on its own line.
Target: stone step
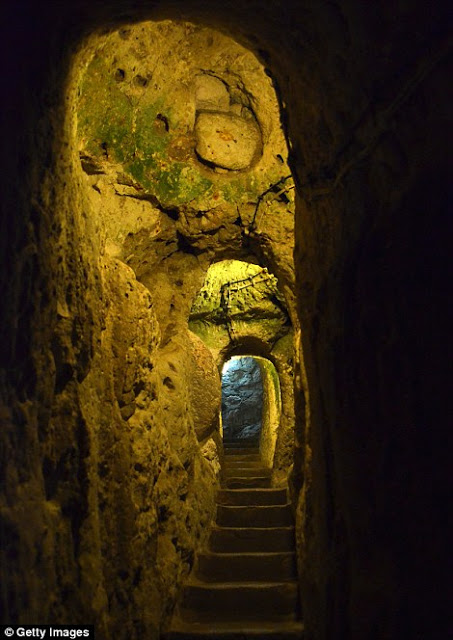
[235, 482]
[239, 461]
[252, 496]
[239, 539]
[245, 460]
[232, 453]
[241, 450]
[245, 471]
[286, 630]
[216, 567]
[241, 443]
[254, 516]
[226, 601]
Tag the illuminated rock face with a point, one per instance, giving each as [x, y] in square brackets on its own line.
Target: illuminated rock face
[204, 388]
[242, 399]
[227, 140]
[239, 301]
[211, 94]
[170, 126]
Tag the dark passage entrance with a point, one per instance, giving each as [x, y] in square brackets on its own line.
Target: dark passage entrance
[242, 400]
[244, 583]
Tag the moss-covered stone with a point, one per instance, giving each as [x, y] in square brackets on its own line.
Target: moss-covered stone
[139, 112]
[105, 115]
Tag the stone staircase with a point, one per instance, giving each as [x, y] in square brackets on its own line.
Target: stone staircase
[244, 585]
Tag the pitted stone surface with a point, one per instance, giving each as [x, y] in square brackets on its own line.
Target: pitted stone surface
[205, 387]
[227, 140]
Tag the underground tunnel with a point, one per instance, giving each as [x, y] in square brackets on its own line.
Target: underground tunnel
[188, 185]
[242, 399]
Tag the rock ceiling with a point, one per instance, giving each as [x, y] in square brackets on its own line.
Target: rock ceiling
[181, 141]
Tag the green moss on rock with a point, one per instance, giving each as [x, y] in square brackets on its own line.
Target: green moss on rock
[137, 108]
[105, 115]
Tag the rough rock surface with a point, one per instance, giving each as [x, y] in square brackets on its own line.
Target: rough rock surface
[204, 388]
[275, 428]
[214, 98]
[238, 300]
[242, 399]
[227, 140]
[211, 94]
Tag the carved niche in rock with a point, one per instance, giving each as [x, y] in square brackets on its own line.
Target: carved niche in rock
[227, 140]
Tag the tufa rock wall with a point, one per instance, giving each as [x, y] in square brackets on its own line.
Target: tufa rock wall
[106, 493]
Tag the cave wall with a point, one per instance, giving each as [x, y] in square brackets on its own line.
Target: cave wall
[271, 412]
[110, 437]
[364, 99]
[376, 360]
[117, 493]
[282, 366]
[238, 301]
[150, 98]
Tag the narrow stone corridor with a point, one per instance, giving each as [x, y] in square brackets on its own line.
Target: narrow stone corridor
[185, 184]
[244, 584]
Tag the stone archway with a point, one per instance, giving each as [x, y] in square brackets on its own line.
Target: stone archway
[242, 400]
[252, 407]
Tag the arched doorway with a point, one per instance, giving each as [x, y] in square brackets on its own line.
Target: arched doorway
[240, 314]
[251, 405]
[242, 401]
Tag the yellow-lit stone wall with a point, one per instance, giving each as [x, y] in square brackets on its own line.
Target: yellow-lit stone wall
[118, 410]
[271, 411]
